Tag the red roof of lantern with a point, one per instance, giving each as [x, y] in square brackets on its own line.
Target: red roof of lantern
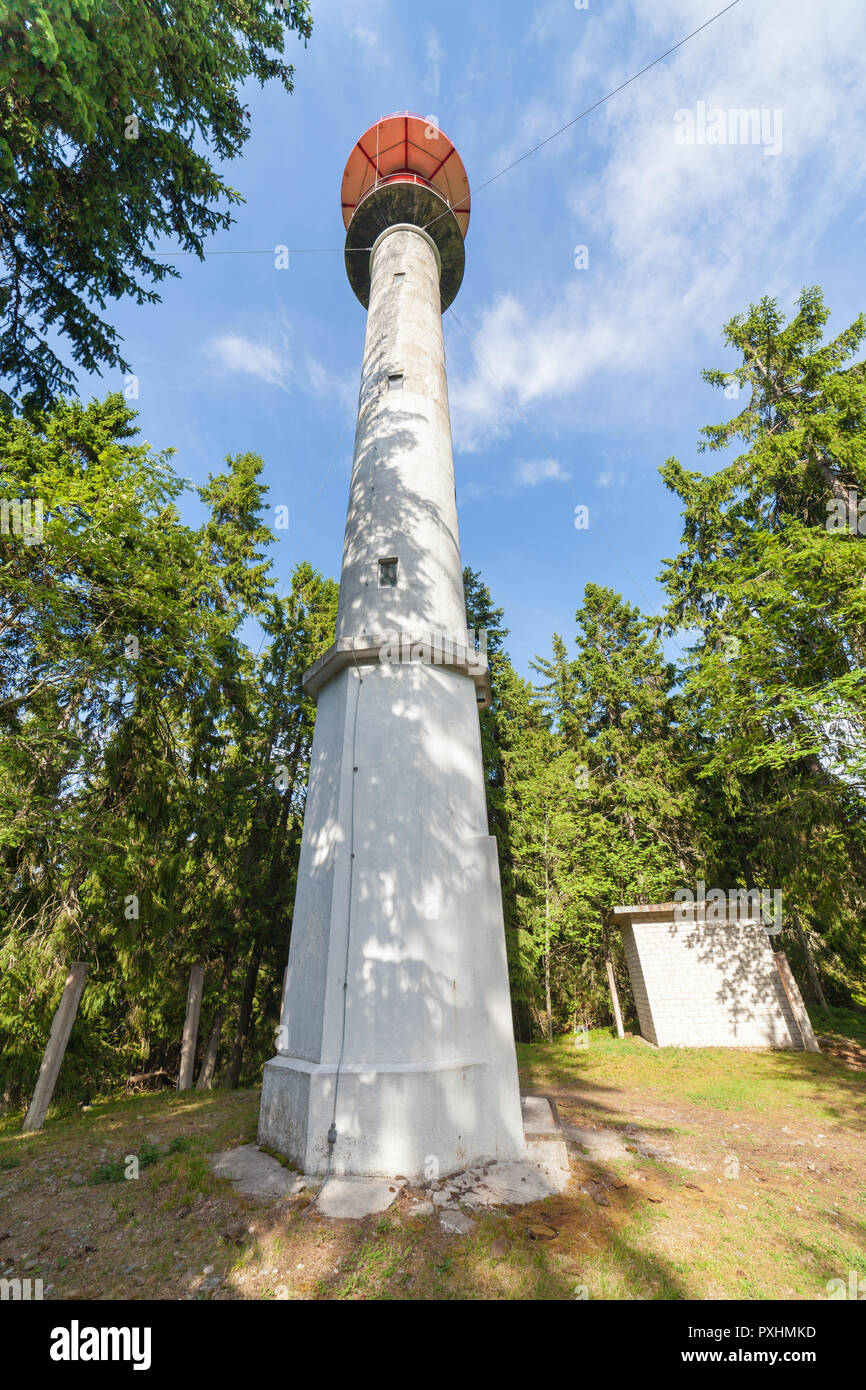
[406, 148]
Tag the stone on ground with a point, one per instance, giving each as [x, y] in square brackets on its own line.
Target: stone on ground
[254, 1173]
[456, 1223]
[421, 1209]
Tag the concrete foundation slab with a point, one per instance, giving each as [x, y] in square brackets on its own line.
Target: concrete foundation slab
[513, 1184]
[545, 1172]
[354, 1198]
[538, 1116]
[550, 1155]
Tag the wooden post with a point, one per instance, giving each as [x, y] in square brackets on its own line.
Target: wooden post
[810, 963]
[190, 1028]
[208, 1066]
[55, 1050]
[795, 999]
[614, 996]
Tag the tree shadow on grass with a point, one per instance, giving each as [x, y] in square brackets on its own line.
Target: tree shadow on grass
[388, 1257]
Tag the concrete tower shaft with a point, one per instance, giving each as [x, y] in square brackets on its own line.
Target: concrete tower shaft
[402, 504]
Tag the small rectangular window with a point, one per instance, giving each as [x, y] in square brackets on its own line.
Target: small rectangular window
[399, 275]
[388, 573]
[395, 381]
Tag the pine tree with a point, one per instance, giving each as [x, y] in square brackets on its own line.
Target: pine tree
[105, 109]
[151, 766]
[771, 575]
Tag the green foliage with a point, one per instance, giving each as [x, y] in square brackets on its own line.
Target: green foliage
[619, 778]
[775, 688]
[589, 797]
[778, 598]
[114, 117]
[502, 727]
[611, 808]
[152, 768]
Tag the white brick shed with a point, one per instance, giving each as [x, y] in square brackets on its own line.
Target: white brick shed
[709, 983]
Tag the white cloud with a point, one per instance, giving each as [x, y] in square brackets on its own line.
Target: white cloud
[610, 478]
[472, 492]
[523, 357]
[323, 382]
[686, 235]
[365, 37]
[540, 471]
[235, 355]
[531, 473]
[434, 53]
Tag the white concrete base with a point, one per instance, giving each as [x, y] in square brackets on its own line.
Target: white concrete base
[398, 899]
[398, 1119]
[538, 1115]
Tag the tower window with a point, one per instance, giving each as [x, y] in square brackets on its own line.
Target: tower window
[388, 572]
[399, 275]
[395, 381]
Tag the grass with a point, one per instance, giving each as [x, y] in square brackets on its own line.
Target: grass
[128, 1167]
[715, 1078]
[790, 1213]
[845, 1024]
[749, 1181]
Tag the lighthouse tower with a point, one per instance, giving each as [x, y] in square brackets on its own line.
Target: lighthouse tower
[395, 1050]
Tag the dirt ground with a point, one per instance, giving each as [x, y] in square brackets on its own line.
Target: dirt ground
[745, 1177]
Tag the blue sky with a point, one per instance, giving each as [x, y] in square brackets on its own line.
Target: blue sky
[568, 386]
